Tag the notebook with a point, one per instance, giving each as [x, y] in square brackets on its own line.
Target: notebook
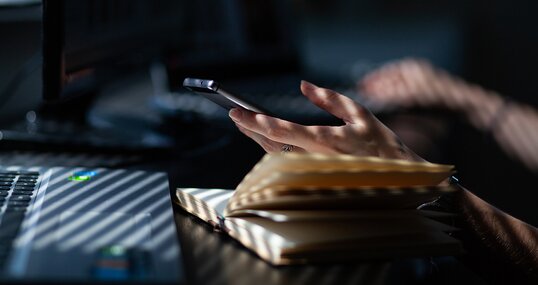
[302, 208]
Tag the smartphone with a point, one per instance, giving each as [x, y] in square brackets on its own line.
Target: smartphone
[213, 91]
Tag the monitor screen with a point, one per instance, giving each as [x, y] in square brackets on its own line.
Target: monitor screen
[87, 42]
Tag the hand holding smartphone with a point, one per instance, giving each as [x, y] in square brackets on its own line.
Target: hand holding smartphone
[213, 91]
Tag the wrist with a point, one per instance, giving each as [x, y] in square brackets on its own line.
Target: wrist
[449, 202]
[482, 108]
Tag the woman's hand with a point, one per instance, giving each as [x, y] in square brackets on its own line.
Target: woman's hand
[361, 134]
[409, 83]
[417, 83]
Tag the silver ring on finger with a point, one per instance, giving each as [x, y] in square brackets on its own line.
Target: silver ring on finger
[286, 148]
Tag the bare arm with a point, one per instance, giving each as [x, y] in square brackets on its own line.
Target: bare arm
[502, 247]
[514, 126]
[411, 82]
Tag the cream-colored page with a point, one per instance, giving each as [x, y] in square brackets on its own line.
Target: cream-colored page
[302, 233]
[308, 171]
[323, 198]
[299, 163]
[207, 204]
[274, 241]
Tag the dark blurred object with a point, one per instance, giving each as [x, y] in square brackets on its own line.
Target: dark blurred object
[236, 38]
[20, 72]
[88, 45]
[18, 78]
[501, 45]
[18, 3]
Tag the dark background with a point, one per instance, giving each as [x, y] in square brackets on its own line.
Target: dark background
[492, 43]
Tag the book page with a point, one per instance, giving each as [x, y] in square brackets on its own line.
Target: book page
[336, 199]
[276, 176]
[310, 232]
[207, 204]
[297, 163]
[349, 179]
[403, 246]
[343, 215]
[293, 241]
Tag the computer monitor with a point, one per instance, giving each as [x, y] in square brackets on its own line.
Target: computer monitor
[89, 42]
[88, 45]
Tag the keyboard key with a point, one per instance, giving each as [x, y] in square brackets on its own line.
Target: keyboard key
[29, 184]
[22, 193]
[3, 187]
[6, 179]
[6, 183]
[18, 203]
[23, 188]
[20, 209]
[10, 173]
[29, 173]
[23, 179]
[2, 175]
[34, 178]
[4, 193]
[20, 198]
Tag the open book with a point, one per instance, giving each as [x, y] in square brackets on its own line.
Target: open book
[298, 208]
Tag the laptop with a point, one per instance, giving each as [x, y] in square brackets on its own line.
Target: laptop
[80, 224]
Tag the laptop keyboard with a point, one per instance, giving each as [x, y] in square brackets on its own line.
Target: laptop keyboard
[16, 191]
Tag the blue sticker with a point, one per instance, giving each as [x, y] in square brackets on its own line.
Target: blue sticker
[85, 173]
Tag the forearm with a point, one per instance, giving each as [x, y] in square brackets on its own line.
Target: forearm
[476, 105]
[512, 125]
[508, 246]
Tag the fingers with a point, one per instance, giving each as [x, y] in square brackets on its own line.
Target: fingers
[268, 145]
[272, 128]
[337, 104]
[384, 83]
[406, 82]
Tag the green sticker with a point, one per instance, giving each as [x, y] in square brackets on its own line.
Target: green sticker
[79, 178]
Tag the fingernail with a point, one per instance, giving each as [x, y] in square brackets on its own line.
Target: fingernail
[235, 114]
[308, 85]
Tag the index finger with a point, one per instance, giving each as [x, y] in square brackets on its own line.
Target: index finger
[272, 128]
[333, 102]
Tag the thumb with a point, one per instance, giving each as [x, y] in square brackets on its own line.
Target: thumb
[333, 102]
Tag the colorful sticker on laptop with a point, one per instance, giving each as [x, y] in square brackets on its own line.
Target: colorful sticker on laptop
[82, 176]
